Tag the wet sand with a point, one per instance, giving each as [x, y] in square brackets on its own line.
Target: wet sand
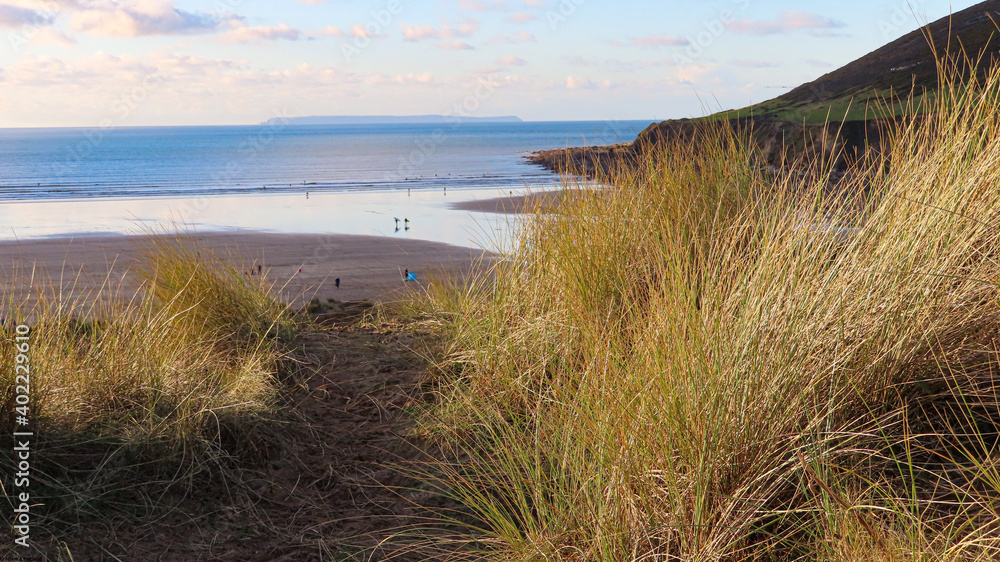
[515, 204]
[369, 267]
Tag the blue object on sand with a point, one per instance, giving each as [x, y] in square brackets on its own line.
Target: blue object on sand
[411, 277]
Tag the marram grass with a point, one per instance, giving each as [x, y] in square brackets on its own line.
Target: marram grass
[141, 396]
[702, 358]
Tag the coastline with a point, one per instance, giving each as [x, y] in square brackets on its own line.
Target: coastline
[513, 204]
[354, 213]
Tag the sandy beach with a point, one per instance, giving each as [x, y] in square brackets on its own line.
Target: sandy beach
[369, 267]
[514, 204]
[301, 266]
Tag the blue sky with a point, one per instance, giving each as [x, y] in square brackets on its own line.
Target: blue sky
[96, 63]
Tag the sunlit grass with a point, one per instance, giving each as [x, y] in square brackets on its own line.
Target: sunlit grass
[703, 358]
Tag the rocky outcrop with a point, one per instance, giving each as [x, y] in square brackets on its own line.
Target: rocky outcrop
[782, 143]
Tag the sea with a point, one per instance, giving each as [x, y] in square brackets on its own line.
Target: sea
[273, 177]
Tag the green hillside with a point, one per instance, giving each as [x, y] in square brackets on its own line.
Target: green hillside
[893, 72]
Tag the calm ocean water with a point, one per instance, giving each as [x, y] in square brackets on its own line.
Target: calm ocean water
[54, 164]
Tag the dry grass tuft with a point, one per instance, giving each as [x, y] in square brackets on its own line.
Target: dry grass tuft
[140, 399]
[703, 358]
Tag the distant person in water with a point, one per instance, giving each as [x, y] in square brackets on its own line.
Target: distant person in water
[337, 282]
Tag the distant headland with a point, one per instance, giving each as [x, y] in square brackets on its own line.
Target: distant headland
[387, 120]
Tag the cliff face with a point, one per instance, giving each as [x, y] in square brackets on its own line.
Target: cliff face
[782, 143]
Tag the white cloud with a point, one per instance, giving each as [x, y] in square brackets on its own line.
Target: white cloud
[359, 31]
[138, 18]
[519, 37]
[574, 83]
[511, 60]
[653, 40]
[522, 17]
[817, 63]
[481, 6]
[332, 31]
[455, 45]
[446, 31]
[786, 22]
[261, 33]
[754, 64]
[577, 60]
[411, 78]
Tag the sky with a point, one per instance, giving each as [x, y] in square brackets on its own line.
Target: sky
[109, 63]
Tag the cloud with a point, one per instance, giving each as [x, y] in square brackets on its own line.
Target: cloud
[786, 22]
[577, 60]
[358, 31]
[13, 16]
[455, 45]
[519, 37]
[511, 60]
[446, 31]
[617, 65]
[481, 6]
[261, 33]
[139, 18]
[817, 63]
[754, 63]
[695, 74]
[49, 36]
[653, 40]
[521, 17]
[181, 89]
[98, 71]
[574, 83]
[424, 78]
[417, 32]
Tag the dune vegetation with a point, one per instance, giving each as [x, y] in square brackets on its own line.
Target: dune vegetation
[142, 398]
[705, 358]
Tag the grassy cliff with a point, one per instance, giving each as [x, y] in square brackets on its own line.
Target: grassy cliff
[842, 113]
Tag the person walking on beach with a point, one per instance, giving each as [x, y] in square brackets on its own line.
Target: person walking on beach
[337, 282]
[406, 275]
